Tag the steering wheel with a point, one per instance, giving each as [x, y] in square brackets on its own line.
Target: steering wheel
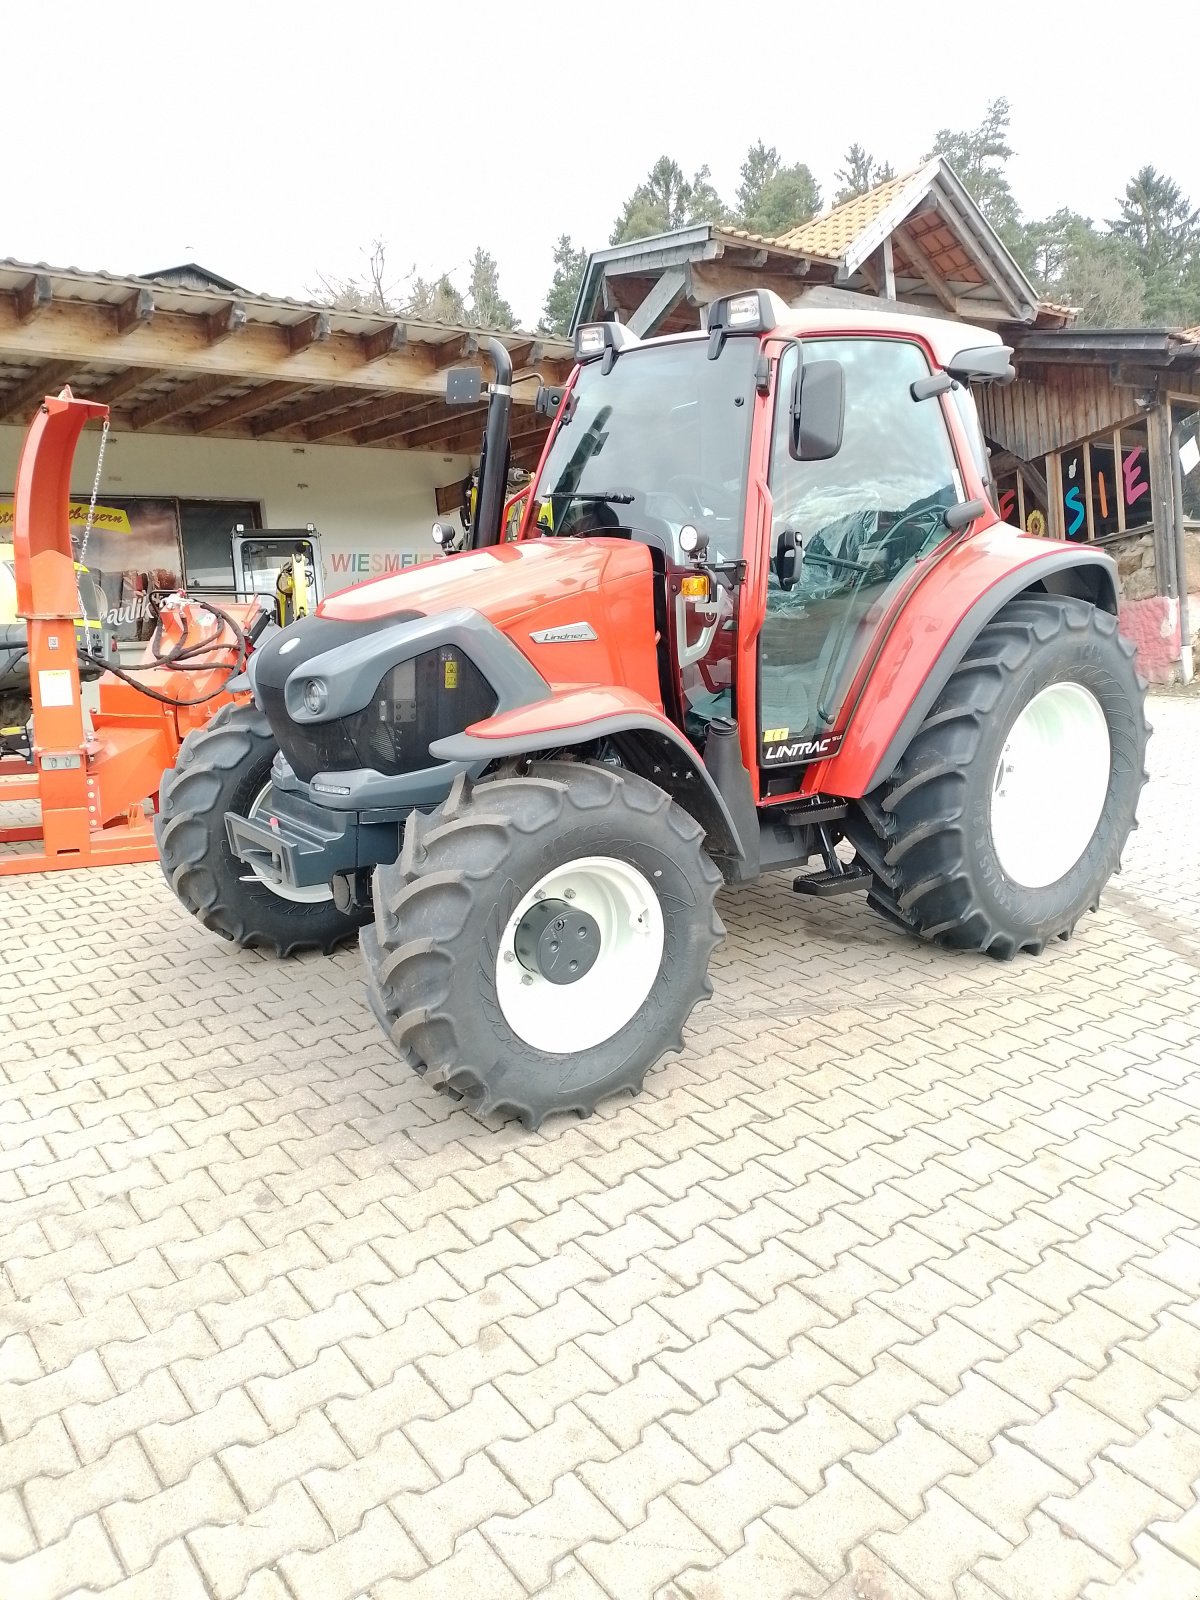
[932, 514]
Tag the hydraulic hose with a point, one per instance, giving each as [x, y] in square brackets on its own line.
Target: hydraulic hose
[182, 657]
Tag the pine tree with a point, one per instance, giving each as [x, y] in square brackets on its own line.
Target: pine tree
[1073, 263]
[666, 200]
[435, 300]
[772, 198]
[980, 157]
[486, 306]
[860, 174]
[559, 305]
[1163, 231]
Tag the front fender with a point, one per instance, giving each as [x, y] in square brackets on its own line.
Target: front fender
[932, 632]
[647, 742]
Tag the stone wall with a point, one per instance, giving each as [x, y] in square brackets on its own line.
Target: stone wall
[1148, 618]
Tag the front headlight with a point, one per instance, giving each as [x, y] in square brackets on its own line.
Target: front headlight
[316, 696]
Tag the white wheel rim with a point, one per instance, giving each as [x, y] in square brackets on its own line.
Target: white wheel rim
[565, 1018]
[1050, 785]
[315, 895]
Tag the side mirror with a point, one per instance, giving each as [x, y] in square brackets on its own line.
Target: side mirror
[464, 386]
[788, 555]
[818, 407]
[936, 383]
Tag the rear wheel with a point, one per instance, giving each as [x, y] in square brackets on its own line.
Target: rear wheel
[543, 939]
[1009, 811]
[226, 766]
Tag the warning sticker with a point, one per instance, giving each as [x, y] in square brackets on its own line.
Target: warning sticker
[54, 687]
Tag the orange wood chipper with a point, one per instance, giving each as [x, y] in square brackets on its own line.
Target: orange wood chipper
[94, 774]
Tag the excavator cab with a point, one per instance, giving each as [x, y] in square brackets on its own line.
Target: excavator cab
[281, 565]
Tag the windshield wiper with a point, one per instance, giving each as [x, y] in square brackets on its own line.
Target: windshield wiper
[611, 497]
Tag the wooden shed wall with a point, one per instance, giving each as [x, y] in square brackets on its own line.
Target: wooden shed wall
[1059, 407]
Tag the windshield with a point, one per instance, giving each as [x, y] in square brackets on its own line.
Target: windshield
[658, 442]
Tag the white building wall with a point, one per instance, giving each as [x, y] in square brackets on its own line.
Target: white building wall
[372, 508]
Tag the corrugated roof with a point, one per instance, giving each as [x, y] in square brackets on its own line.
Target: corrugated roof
[835, 231]
[102, 288]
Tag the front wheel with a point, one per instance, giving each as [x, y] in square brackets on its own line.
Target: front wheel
[226, 766]
[543, 939]
[1008, 812]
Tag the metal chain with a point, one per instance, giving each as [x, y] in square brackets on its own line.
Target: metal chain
[91, 516]
[81, 558]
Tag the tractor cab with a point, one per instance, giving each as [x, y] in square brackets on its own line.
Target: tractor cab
[788, 477]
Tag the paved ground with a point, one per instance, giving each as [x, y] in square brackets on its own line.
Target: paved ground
[888, 1287]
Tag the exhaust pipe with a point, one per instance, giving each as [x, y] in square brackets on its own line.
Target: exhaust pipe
[486, 528]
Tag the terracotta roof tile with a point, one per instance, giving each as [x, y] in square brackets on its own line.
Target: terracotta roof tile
[834, 232]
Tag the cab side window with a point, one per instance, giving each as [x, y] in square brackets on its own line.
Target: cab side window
[859, 521]
[895, 453]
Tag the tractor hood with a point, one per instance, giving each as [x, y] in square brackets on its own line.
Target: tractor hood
[503, 582]
[381, 672]
[580, 610]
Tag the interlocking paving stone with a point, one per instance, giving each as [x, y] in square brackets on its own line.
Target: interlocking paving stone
[888, 1284]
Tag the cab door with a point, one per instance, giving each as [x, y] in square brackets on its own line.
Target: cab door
[846, 534]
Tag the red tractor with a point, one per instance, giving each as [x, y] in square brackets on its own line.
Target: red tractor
[760, 606]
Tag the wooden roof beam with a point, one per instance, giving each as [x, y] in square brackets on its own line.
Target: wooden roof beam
[387, 341]
[121, 384]
[178, 342]
[298, 416]
[32, 298]
[659, 303]
[415, 437]
[182, 398]
[530, 354]
[917, 255]
[709, 280]
[445, 355]
[244, 405]
[24, 399]
[313, 330]
[397, 410]
[978, 255]
[135, 311]
[229, 319]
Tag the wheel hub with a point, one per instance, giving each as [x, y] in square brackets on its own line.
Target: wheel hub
[1050, 784]
[615, 906]
[557, 941]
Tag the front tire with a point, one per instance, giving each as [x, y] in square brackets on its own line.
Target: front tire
[226, 766]
[1010, 809]
[463, 960]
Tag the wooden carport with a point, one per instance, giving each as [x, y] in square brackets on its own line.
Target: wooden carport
[200, 358]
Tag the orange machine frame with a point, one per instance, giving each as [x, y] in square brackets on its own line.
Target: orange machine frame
[91, 783]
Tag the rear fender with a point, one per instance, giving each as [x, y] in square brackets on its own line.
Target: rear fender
[645, 740]
[933, 631]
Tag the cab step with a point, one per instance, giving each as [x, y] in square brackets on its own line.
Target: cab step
[826, 884]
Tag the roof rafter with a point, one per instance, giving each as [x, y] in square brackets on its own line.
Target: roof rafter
[82, 332]
[181, 398]
[33, 299]
[29, 395]
[244, 405]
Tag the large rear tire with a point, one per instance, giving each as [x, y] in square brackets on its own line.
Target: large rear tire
[226, 766]
[495, 891]
[1008, 812]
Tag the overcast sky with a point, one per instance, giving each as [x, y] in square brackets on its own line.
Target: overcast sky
[273, 141]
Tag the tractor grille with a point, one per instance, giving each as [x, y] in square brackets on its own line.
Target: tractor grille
[428, 697]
